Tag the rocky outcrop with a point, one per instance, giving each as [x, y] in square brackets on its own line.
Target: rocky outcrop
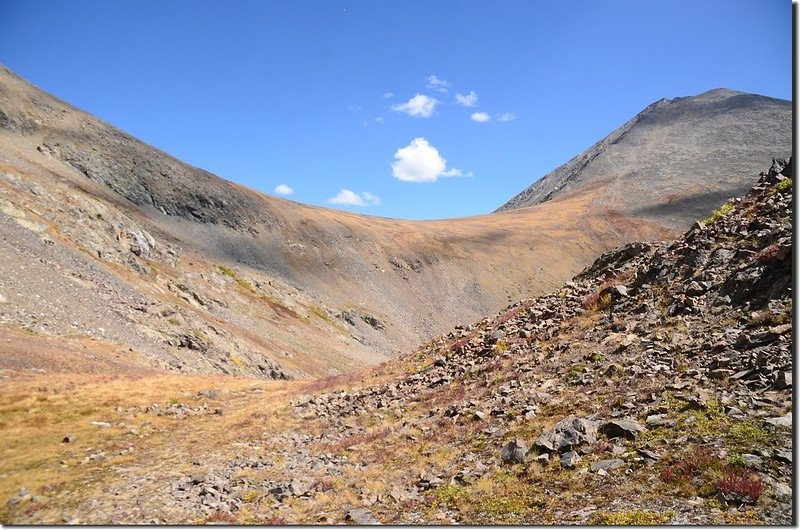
[654, 351]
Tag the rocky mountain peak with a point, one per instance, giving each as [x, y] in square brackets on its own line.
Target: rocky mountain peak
[713, 136]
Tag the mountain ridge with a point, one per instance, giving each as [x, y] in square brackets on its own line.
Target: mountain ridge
[652, 127]
[259, 284]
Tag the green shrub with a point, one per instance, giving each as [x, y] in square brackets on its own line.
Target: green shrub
[745, 431]
[723, 210]
[782, 186]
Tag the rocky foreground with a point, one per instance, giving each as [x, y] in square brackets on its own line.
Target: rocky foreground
[654, 388]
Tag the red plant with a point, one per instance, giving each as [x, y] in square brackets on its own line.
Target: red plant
[508, 315]
[274, 521]
[767, 254]
[459, 346]
[701, 459]
[221, 517]
[34, 507]
[741, 485]
[597, 300]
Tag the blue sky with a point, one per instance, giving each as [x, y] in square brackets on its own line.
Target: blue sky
[330, 95]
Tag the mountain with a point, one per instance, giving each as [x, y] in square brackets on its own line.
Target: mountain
[653, 388]
[673, 159]
[110, 245]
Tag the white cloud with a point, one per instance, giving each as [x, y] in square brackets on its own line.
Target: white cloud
[283, 189]
[507, 116]
[369, 198]
[419, 161]
[380, 119]
[387, 95]
[468, 100]
[437, 84]
[420, 105]
[480, 117]
[351, 198]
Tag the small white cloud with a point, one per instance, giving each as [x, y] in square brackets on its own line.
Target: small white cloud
[380, 119]
[351, 198]
[355, 108]
[480, 117]
[468, 100]
[437, 84]
[283, 189]
[419, 161]
[420, 106]
[387, 95]
[369, 198]
[507, 116]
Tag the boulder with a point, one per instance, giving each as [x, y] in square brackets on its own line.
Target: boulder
[568, 433]
[621, 428]
[514, 452]
[569, 459]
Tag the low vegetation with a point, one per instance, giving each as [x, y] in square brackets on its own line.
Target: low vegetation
[719, 213]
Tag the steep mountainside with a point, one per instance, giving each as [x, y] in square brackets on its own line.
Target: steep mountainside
[654, 388]
[641, 168]
[105, 241]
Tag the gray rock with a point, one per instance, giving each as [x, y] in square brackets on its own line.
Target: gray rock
[648, 454]
[68, 439]
[514, 452]
[621, 428]
[783, 490]
[361, 516]
[695, 289]
[569, 459]
[780, 330]
[659, 420]
[754, 461]
[299, 487]
[620, 290]
[612, 463]
[781, 421]
[568, 433]
[783, 456]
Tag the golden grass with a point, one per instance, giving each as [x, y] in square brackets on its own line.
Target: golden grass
[38, 411]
